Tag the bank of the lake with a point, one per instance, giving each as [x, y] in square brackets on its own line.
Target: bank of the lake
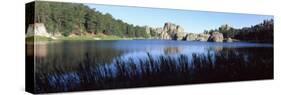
[83, 37]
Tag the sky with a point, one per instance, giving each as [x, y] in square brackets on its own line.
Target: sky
[191, 21]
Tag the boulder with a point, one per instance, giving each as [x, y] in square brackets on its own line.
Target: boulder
[203, 37]
[165, 36]
[229, 40]
[168, 32]
[37, 29]
[179, 36]
[179, 29]
[216, 37]
[191, 37]
[170, 28]
[175, 32]
[162, 34]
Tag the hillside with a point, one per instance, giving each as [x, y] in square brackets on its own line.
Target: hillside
[79, 21]
[73, 18]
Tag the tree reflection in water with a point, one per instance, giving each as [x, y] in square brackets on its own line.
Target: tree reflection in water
[225, 64]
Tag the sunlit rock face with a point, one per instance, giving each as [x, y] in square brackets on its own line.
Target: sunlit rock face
[216, 37]
[191, 37]
[169, 31]
[180, 36]
[229, 39]
[165, 35]
[203, 37]
[175, 32]
[37, 29]
[197, 37]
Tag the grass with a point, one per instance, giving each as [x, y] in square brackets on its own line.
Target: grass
[81, 37]
[38, 38]
[156, 71]
[98, 37]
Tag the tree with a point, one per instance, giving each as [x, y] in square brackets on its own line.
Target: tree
[262, 32]
[90, 22]
[69, 18]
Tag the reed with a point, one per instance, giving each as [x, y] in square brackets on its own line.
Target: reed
[156, 71]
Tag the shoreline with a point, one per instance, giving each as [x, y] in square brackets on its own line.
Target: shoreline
[37, 39]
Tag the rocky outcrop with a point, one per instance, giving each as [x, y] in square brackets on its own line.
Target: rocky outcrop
[191, 37]
[203, 37]
[179, 36]
[165, 35]
[175, 32]
[161, 34]
[170, 31]
[197, 37]
[216, 37]
[37, 29]
[229, 40]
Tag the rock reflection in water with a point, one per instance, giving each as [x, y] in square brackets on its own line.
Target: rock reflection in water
[172, 50]
[106, 65]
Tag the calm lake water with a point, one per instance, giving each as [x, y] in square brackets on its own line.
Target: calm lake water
[84, 65]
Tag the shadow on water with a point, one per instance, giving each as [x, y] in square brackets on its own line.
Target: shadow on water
[227, 64]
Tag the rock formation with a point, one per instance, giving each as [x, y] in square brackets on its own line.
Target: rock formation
[229, 40]
[37, 29]
[216, 37]
[175, 32]
[191, 37]
[170, 31]
[165, 35]
[180, 36]
[203, 37]
[197, 37]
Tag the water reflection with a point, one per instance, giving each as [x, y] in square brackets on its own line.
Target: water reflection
[83, 65]
[172, 50]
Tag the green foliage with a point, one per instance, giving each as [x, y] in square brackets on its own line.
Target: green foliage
[71, 18]
[262, 32]
[38, 38]
[98, 37]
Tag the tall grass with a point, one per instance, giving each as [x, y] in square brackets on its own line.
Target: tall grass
[156, 71]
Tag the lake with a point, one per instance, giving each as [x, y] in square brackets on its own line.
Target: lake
[84, 65]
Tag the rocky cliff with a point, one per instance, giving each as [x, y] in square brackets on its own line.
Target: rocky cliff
[197, 37]
[169, 31]
[37, 29]
[216, 37]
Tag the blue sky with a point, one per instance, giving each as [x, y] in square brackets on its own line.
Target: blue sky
[191, 21]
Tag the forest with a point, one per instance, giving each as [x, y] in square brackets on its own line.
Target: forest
[79, 19]
[262, 32]
[68, 18]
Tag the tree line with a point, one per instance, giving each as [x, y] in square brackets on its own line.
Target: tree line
[73, 18]
[262, 32]
[69, 18]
